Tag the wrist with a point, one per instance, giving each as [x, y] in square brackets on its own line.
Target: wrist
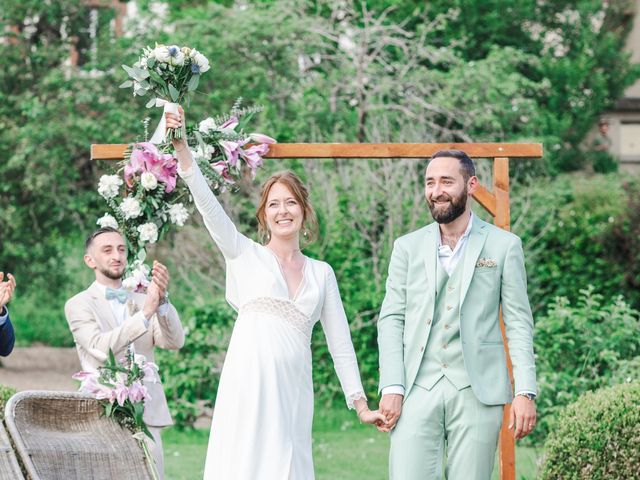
[530, 396]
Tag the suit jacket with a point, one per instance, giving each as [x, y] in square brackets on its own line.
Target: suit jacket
[493, 276]
[95, 330]
[7, 337]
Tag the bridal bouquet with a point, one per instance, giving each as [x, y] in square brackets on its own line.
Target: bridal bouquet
[171, 74]
[119, 388]
[145, 199]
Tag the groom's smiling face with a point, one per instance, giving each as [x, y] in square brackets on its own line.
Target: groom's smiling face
[446, 190]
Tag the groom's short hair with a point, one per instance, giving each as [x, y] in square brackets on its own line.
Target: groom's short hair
[467, 167]
[100, 231]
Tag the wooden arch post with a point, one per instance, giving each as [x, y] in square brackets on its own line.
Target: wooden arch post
[494, 200]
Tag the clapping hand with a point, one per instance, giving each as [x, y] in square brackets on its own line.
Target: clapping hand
[6, 289]
[157, 289]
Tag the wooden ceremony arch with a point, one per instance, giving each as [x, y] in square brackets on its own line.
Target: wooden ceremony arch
[495, 201]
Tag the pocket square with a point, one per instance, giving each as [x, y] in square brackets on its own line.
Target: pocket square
[486, 263]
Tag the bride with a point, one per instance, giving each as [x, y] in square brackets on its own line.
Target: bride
[262, 419]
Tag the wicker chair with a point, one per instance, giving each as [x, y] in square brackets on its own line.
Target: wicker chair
[61, 435]
[9, 468]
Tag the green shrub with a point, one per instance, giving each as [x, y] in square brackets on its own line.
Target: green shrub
[566, 226]
[597, 437]
[582, 347]
[6, 392]
[190, 375]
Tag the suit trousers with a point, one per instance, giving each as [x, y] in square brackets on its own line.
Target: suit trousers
[444, 417]
[155, 447]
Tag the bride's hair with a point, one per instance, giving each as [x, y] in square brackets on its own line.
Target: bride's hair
[301, 194]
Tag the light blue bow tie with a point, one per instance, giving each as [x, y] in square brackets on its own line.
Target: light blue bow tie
[119, 294]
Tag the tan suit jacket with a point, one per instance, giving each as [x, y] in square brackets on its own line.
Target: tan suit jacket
[95, 330]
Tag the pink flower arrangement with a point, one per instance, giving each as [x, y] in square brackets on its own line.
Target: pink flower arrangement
[146, 157]
[119, 386]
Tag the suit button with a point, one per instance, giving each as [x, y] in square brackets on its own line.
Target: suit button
[428, 321]
[447, 327]
[450, 288]
[444, 365]
[449, 307]
[422, 349]
[445, 346]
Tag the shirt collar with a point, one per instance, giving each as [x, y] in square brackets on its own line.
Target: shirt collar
[464, 235]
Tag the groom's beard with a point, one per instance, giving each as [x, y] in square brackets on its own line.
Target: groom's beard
[455, 208]
[115, 273]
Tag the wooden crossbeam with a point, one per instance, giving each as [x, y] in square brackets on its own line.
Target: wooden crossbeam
[496, 202]
[365, 150]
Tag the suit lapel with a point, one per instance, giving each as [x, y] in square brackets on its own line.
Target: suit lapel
[430, 249]
[476, 240]
[102, 305]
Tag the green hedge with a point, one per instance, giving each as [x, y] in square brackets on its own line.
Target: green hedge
[582, 346]
[597, 437]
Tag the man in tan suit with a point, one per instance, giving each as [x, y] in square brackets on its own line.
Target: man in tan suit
[105, 316]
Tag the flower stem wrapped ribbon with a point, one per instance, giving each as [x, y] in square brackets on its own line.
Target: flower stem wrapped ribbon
[171, 74]
[119, 387]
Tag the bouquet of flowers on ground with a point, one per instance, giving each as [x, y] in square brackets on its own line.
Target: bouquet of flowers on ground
[120, 389]
[145, 199]
[171, 74]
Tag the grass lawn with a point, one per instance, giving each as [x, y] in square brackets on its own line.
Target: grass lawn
[342, 450]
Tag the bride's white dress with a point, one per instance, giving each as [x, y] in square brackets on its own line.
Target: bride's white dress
[261, 428]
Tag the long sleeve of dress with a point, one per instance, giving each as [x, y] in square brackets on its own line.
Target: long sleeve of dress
[220, 226]
[336, 329]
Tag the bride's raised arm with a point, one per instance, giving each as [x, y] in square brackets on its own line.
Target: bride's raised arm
[221, 228]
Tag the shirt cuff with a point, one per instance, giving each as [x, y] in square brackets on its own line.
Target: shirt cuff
[188, 172]
[393, 389]
[163, 309]
[526, 392]
[4, 314]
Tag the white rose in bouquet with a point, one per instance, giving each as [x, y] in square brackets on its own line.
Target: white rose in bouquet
[148, 232]
[107, 221]
[130, 208]
[148, 181]
[109, 185]
[178, 214]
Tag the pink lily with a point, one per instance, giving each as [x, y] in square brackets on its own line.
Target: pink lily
[137, 392]
[231, 151]
[121, 392]
[230, 124]
[222, 169]
[253, 156]
[260, 138]
[106, 393]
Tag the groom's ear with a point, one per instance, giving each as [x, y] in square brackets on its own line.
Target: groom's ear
[472, 184]
[88, 260]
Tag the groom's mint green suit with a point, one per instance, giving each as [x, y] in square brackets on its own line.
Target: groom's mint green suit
[439, 338]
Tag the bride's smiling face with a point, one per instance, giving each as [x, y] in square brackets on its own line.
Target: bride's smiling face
[283, 212]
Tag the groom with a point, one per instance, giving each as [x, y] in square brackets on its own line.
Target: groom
[105, 316]
[443, 367]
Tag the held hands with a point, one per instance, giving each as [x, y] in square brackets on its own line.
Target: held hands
[156, 290]
[391, 408]
[6, 289]
[373, 417]
[522, 416]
